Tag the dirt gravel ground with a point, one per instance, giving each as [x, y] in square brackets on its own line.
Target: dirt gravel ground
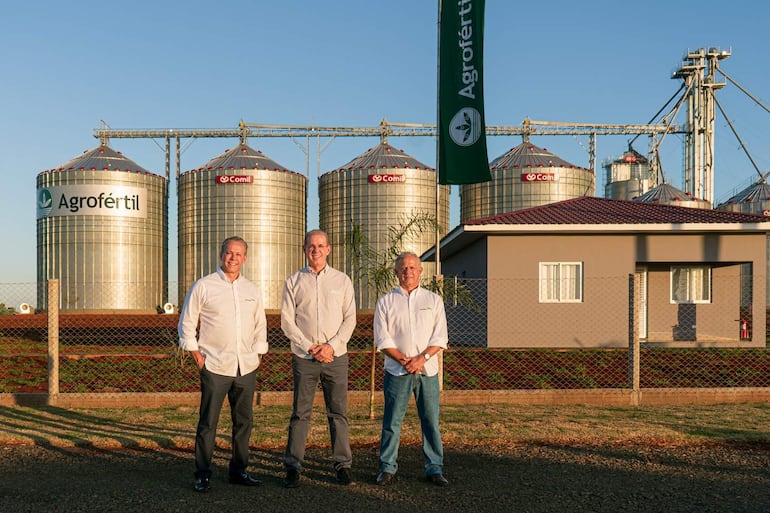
[520, 477]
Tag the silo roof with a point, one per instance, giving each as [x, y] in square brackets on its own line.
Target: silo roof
[101, 158]
[631, 155]
[527, 155]
[242, 157]
[664, 193]
[383, 156]
[756, 193]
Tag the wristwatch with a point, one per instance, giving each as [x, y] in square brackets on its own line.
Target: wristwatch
[427, 356]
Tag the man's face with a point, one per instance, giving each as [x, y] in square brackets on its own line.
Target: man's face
[233, 257]
[316, 251]
[409, 272]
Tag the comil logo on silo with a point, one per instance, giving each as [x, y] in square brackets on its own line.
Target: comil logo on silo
[538, 177]
[222, 179]
[387, 178]
[465, 127]
[44, 203]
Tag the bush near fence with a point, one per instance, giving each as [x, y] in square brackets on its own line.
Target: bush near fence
[113, 353]
[108, 353]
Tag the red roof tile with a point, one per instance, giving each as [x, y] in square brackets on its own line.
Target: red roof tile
[593, 210]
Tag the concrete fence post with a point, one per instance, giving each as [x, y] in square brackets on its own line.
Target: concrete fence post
[633, 338]
[53, 340]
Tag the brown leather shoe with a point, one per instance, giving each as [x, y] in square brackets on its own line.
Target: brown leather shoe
[385, 479]
[345, 476]
[438, 480]
[292, 479]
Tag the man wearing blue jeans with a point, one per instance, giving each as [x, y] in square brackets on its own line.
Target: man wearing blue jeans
[410, 329]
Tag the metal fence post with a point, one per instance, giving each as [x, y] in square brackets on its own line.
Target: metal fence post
[633, 338]
[53, 340]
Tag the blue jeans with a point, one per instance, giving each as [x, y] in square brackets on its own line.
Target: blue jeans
[398, 390]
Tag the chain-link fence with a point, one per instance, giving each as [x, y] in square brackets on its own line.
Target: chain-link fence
[496, 343]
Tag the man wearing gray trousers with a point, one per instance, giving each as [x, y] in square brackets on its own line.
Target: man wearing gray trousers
[318, 315]
[222, 324]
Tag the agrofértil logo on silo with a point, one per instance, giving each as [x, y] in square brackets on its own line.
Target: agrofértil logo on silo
[92, 200]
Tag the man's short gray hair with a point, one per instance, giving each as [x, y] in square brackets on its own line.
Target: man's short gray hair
[233, 239]
[314, 232]
[403, 255]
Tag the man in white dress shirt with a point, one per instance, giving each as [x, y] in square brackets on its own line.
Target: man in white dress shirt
[318, 316]
[410, 329]
[227, 349]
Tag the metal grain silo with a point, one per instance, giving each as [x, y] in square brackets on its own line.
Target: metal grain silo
[665, 194]
[376, 191]
[102, 230]
[752, 200]
[628, 176]
[526, 176]
[246, 194]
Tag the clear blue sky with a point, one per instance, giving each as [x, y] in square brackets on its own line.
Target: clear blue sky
[66, 66]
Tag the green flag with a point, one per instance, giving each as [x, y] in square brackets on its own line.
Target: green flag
[462, 141]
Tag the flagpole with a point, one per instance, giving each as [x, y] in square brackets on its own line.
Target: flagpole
[438, 135]
[437, 275]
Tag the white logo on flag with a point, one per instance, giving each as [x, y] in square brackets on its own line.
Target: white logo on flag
[465, 127]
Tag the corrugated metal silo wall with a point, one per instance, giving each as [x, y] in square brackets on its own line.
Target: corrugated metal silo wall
[747, 207]
[626, 180]
[267, 210]
[349, 198]
[625, 189]
[104, 262]
[516, 188]
[696, 203]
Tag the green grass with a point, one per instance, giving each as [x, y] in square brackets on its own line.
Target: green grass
[461, 425]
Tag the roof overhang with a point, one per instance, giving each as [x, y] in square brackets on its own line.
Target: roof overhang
[464, 235]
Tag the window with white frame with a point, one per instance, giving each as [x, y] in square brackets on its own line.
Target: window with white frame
[690, 284]
[561, 282]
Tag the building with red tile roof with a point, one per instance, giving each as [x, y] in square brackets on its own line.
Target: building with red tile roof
[559, 275]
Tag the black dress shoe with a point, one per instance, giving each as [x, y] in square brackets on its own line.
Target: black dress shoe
[438, 480]
[202, 484]
[292, 479]
[385, 479]
[344, 476]
[245, 479]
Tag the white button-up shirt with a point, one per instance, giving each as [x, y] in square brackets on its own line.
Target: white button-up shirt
[410, 322]
[318, 309]
[233, 329]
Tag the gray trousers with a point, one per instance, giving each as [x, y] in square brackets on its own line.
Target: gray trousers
[334, 383]
[240, 394]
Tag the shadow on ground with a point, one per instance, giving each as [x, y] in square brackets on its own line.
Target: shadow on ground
[517, 477]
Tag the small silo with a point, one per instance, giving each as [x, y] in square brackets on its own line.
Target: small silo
[665, 194]
[752, 200]
[246, 194]
[628, 176]
[102, 230]
[524, 177]
[381, 189]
